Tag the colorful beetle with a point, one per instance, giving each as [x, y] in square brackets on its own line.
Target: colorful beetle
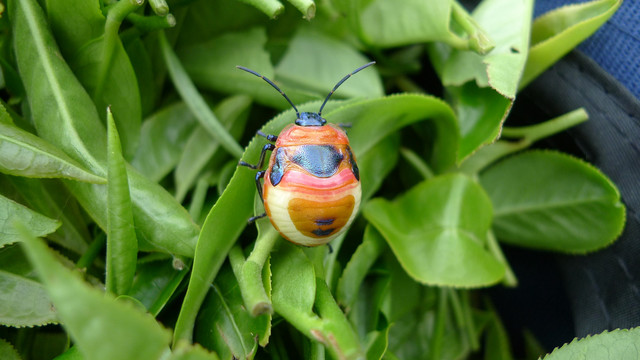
[311, 191]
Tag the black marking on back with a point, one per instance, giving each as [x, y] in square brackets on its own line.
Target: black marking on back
[321, 232]
[319, 160]
[352, 162]
[321, 222]
[277, 170]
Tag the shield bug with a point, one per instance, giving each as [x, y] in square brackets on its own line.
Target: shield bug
[311, 189]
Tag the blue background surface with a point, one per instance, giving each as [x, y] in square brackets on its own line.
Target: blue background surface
[616, 45]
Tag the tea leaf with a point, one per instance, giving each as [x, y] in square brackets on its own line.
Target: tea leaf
[65, 116]
[483, 87]
[608, 345]
[552, 201]
[27, 304]
[555, 33]
[138, 335]
[224, 324]
[122, 245]
[437, 230]
[11, 211]
[330, 60]
[194, 100]
[7, 351]
[162, 140]
[24, 154]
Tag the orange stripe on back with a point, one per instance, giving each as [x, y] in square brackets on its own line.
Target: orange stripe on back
[320, 219]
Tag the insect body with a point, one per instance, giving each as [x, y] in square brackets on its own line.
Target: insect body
[311, 190]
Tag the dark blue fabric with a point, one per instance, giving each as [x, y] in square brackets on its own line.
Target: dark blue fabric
[616, 45]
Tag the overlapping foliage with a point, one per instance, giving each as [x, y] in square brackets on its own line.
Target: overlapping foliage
[121, 201]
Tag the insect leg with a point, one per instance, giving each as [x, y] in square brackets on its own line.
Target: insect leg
[257, 217]
[271, 138]
[268, 147]
[260, 175]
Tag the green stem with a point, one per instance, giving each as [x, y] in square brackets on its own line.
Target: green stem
[159, 7]
[116, 13]
[337, 332]
[456, 306]
[525, 135]
[494, 248]
[405, 84]
[271, 8]
[462, 314]
[489, 154]
[194, 100]
[478, 40]
[435, 350]
[556, 125]
[92, 252]
[317, 257]
[417, 162]
[146, 24]
[470, 327]
[249, 273]
[199, 196]
[306, 7]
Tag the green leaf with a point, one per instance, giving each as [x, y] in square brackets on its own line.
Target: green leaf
[375, 119]
[483, 87]
[225, 325]
[437, 230]
[192, 352]
[11, 211]
[223, 225]
[377, 343]
[201, 150]
[91, 46]
[194, 100]
[122, 245]
[24, 302]
[358, 266]
[65, 116]
[24, 154]
[552, 201]
[52, 199]
[91, 316]
[7, 351]
[555, 33]
[162, 140]
[381, 23]
[118, 90]
[212, 65]
[617, 344]
[294, 282]
[315, 62]
[61, 109]
[402, 294]
[497, 340]
[501, 68]
[155, 283]
[75, 29]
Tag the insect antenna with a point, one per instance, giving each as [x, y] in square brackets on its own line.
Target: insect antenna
[274, 86]
[340, 83]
